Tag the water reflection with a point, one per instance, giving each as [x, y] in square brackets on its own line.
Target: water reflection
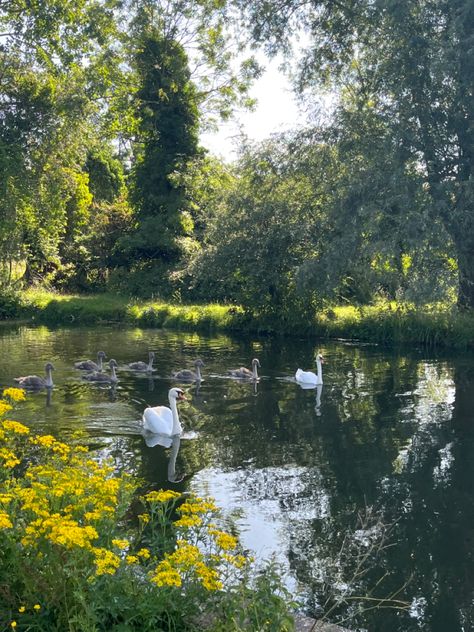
[394, 432]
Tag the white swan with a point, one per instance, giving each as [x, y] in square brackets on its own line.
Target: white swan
[308, 377]
[103, 378]
[143, 366]
[245, 373]
[185, 375]
[34, 381]
[89, 365]
[163, 420]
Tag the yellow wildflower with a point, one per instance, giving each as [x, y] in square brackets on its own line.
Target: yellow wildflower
[209, 577]
[5, 498]
[36, 607]
[15, 426]
[21, 609]
[239, 561]
[144, 518]
[224, 540]
[5, 522]
[131, 559]
[106, 562]
[9, 458]
[166, 575]
[47, 441]
[188, 521]
[121, 544]
[186, 555]
[162, 496]
[192, 507]
[15, 394]
[144, 553]
[4, 407]
[13, 624]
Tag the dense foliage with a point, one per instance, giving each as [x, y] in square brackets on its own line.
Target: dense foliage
[104, 184]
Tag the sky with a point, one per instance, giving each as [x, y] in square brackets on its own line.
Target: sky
[276, 111]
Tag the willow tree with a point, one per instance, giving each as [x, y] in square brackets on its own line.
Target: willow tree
[412, 64]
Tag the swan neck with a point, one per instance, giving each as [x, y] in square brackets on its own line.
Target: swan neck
[254, 372]
[198, 372]
[319, 366]
[49, 378]
[112, 372]
[174, 411]
[99, 363]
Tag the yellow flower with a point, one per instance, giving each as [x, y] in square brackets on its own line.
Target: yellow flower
[5, 522]
[15, 426]
[162, 496]
[15, 394]
[131, 559]
[144, 553]
[13, 624]
[193, 507]
[121, 544]
[188, 521]
[106, 562]
[144, 518]
[186, 555]
[36, 607]
[224, 540]
[21, 609]
[209, 577]
[4, 407]
[166, 575]
[10, 459]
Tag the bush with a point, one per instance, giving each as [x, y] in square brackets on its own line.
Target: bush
[74, 557]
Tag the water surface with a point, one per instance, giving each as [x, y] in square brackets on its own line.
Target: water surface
[364, 488]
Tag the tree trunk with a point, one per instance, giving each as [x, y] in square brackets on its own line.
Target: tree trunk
[466, 278]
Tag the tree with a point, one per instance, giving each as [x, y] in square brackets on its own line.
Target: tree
[267, 224]
[51, 54]
[412, 63]
[184, 78]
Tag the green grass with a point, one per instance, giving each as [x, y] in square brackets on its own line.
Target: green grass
[385, 323]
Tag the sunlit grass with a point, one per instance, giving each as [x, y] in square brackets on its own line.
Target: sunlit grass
[435, 325]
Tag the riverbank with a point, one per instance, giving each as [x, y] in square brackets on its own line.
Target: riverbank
[387, 323]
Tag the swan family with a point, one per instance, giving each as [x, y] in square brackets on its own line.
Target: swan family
[162, 420]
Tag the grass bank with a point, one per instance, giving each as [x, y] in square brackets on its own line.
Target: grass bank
[433, 326]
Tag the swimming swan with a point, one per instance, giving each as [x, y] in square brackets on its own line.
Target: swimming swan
[143, 366]
[103, 378]
[90, 365]
[245, 373]
[308, 377]
[186, 375]
[163, 420]
[34, 381]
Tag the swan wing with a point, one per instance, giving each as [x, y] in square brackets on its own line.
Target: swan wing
[307, 377]
[158, 420]
[86, 365]
[138, 366]
[30, 381]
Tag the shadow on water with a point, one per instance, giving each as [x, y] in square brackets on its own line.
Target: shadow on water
[314, 475]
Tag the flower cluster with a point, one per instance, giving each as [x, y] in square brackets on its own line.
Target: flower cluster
[64, 515]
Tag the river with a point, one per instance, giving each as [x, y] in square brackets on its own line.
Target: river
[362, 490]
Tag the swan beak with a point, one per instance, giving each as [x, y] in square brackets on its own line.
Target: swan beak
[182, 397]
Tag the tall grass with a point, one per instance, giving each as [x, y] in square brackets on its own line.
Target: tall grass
[386, 323]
